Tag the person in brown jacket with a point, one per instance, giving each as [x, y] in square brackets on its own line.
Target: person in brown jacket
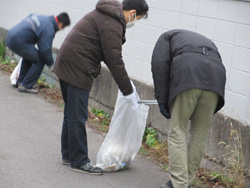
[97, 37]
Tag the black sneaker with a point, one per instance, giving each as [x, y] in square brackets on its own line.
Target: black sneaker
[65, 162]
[167, 185]
[23, 89]
[16, 85]
[88, 168]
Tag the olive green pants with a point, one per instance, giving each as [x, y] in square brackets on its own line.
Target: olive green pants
[198, 106]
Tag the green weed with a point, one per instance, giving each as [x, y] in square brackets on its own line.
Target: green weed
[150, 135]
[101, 117]
[2, 50]
[42, 83]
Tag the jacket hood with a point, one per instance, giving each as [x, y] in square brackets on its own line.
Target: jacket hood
[112, 8]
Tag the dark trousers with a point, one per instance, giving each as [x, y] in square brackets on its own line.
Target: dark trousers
[32, 66]
[74, 135]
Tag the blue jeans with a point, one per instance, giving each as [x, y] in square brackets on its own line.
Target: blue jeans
[74, 136]
[32, 66]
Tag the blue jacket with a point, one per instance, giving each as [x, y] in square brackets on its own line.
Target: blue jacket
[37, 29]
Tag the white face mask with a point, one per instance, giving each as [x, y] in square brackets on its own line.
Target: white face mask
[131, 24]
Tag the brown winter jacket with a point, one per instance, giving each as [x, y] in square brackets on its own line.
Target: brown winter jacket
[97, 37]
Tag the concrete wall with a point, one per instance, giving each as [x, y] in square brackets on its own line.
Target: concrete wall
[226, 22]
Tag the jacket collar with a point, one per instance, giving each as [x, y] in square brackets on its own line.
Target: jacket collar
[54, 22]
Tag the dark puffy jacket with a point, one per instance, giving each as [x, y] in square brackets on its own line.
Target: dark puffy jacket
[97, 37]
[184, 60]
[36, 29]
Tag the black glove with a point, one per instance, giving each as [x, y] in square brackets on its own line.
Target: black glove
[164, 111]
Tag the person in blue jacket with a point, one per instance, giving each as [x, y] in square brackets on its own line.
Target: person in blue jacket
[34, 30]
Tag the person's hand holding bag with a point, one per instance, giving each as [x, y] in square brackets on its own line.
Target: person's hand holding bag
[132, 97]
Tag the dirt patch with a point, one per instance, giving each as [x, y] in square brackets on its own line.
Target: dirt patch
[52, 95]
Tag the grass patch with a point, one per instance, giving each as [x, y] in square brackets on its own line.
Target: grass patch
[2, 50]
[234, 159]
[7, 65]
[99, 120]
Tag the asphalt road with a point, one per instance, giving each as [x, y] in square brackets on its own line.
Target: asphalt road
[30, 157]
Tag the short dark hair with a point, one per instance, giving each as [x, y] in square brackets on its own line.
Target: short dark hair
[140, 6]
[64, 19]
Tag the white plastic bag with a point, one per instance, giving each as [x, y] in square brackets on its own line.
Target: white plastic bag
[15, 74]
[124, 138]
